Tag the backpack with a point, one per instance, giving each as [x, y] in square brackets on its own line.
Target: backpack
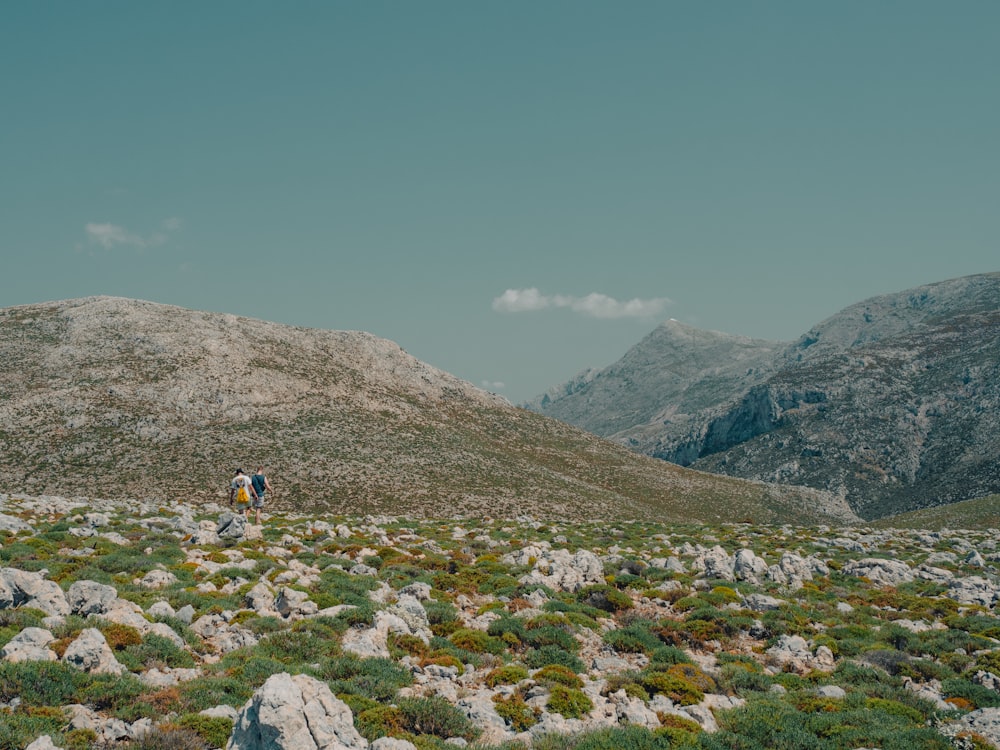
[242, 496]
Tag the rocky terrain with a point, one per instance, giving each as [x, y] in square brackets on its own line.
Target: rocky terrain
[141, 626]
[115, 398]
[891, 404]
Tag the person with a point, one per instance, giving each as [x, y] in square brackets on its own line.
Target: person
[261, 487]
[241, 489]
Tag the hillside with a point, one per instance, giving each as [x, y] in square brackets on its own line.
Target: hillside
[129, 625]
[116, 398]
[891, 403]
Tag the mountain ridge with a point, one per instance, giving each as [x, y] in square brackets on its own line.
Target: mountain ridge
[891, 403]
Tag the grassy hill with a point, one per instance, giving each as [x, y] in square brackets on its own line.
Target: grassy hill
[115, 398]
[980, 513]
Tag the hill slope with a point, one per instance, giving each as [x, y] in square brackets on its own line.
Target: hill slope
[107, 397]
[893, 403]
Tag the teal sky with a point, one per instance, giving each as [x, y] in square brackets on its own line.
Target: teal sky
[414, 169]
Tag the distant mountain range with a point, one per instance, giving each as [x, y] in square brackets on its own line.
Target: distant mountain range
[113, 398]
[892, 403]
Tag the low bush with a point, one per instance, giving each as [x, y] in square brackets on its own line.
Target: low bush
[379, 721]
[557, 674]
[509, 674]
[376, 678]
[537, 658]
[437, 717]
[214, 730]
[518, 715]
[570, 702]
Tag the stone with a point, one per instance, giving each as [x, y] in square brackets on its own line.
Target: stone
[748, 567]
[717, 564]
[43, 743]
[391, 743]
[231, 526]
[558, 569]
[295, 713]
[157, 579]
[13, 524]
[973, 590]
[983, 721]
[31, 644]
[880, 571]
[19, 588]
[91, 653]
[90, 598]
[161, 609]
[261, 599]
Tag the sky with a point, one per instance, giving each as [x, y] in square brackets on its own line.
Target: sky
[512, 191]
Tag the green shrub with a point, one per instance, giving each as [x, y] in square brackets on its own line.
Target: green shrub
[550, 635]
[634, 639]
[477, 641]
[604, 597]
[156, 651]
[380, 721]
[510, 629]
[294, 648]
[169, 737]
[376, 678]
[519, 715]
[509, 674]
[978, 695]
[537, 658]
[207, 691]
[40, 683]
[19, 728]
[557, 674]
[436, 716]
[214, 730]
[570, 702]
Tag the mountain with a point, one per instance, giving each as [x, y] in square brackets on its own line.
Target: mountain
[114, 398]
[891, 403]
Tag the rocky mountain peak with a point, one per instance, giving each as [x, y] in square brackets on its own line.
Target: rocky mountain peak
[891, 403]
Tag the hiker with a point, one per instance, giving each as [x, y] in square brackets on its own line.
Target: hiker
[241, 490]
[261, 486]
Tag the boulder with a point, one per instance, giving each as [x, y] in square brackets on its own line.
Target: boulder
[717, 564]
[295, 713]
[984, 722]
[91, 653]
[880, 571]
[973, 590]
[31, 644]
[562, 571]
[157, 579]
[43, 743]
[90, 598]
[19, 588]
[748, 567]
[231, 526]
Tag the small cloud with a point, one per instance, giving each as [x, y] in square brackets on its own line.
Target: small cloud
[521, 300]
[594, 305]
[493, 385]
[109, 235]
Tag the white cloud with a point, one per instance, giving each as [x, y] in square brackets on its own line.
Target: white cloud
[109, 235]
[493, 385]
[595, 305]
[521, 300]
